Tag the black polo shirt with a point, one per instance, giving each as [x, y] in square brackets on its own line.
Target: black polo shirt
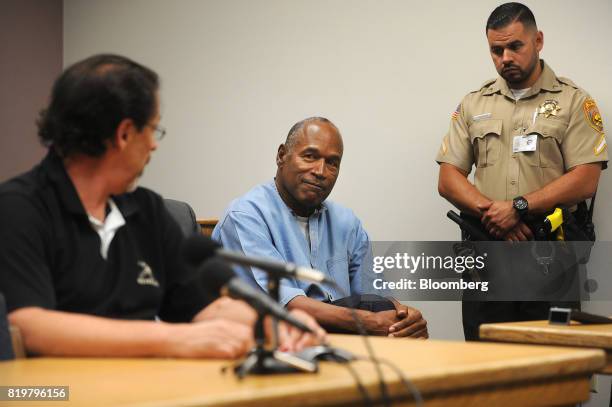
[50, 253]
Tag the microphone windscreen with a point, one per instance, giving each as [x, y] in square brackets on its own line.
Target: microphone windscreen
[215, 273]
[196, 249]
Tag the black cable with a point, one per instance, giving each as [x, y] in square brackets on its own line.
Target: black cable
[410, 387]
[384, 392]
[367, 401]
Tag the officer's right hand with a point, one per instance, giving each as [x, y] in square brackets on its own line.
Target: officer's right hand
[499, 218]
[214, 339]
[521, 232]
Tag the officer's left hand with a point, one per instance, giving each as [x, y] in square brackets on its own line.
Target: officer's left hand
[499, 218]
[519, 233]
[411, 324]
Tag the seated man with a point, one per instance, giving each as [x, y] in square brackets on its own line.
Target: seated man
[289, 219]
[87, 259]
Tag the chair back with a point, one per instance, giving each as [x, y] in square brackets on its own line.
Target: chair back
[183, 214]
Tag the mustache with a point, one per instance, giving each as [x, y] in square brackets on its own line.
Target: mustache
[510, 67]
[315, 183]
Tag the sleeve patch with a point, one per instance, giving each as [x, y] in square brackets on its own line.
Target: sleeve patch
[601, 145]
[592, 115]
[444, 147]
[456, 113]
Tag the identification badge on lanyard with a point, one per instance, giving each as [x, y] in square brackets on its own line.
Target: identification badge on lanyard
[524, 143]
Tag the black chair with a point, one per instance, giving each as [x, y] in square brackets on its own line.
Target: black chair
[6, 345]
[184, 215]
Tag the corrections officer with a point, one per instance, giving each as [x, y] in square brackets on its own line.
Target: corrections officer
[537, 141]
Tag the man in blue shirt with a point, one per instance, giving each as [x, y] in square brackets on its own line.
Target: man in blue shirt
[289, 219]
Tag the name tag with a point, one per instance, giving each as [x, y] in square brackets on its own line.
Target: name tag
[480, 117]
[524, 143]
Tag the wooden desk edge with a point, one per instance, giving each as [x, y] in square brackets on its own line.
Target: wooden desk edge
[543, 335]
[501, 332]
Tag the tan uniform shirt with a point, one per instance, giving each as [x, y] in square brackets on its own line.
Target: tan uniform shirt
[565, 119]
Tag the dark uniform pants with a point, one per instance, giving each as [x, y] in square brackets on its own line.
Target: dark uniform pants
[475, 313]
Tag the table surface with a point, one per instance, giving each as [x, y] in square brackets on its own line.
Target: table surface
[465, 374]
[541, 332]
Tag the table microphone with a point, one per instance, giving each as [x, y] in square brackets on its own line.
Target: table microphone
[199, 248]
[217, 275]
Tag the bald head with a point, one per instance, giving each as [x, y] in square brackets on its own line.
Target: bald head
[299, 128]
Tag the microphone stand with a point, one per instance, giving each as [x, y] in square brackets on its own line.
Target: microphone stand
[268, 360]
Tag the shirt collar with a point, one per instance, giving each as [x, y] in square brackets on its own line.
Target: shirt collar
[319, 210]
[547, 81]
[53, 165]
[113, 220]
[107, 229]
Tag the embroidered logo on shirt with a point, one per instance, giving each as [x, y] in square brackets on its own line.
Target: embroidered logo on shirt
[146, 276]
[592, 115]
[456, 113]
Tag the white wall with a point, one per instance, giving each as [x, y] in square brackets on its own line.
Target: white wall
[237, 74]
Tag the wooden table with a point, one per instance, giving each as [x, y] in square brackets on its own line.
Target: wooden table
[447, 373]
[543, 333]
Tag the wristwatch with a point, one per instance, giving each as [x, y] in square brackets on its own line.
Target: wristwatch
[521, 205]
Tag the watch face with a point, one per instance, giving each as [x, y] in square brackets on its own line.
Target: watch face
[520, 204]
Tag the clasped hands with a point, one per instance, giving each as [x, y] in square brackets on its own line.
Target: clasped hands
[502, 221]
[403, 321]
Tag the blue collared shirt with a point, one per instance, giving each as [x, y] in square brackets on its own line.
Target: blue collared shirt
[261, 224]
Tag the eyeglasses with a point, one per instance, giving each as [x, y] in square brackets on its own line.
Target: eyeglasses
[160, 131]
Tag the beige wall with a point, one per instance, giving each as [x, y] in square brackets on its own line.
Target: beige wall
[237, 74]
[30, 59]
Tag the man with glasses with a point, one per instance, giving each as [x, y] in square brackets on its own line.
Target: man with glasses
[87, 259]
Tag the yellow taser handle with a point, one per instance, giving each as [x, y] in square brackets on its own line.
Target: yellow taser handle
[560, 234]
[555, 219]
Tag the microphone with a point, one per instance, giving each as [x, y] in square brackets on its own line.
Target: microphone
[198, 248]
[222, 280]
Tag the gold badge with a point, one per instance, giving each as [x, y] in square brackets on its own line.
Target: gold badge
[549, 108]
[591, 113]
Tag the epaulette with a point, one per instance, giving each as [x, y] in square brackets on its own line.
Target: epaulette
[484, 85]
[568, 82]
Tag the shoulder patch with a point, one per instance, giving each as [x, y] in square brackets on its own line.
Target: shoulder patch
[592, 115]
[456, 113]
[568, 82]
